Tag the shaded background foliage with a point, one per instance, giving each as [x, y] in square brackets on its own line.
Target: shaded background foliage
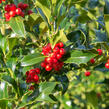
[83, 27]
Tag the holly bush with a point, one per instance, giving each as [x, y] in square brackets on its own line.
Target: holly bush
[54, 54]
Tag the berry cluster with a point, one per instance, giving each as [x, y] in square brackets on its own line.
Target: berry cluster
[2, 1]
[52, 61]
[12, 10]
[32, 75]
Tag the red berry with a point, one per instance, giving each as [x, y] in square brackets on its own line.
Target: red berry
[43, 64]
[99, 51]
[27, 73]
[7, 16]
[36, 78]
[30, 12]
[55, 60]
[31, 87]
[22, 14]
[12, 7]
[107, 65]
[92, 61]
[53, 55]
[62, 51]
[18, 11]
[20, 5]
[59, 56]
[32, 72]
[56, 50]
[7, 8]
[25, 6]
[87, 73]
[61, 44]
[108, 61]
[48, 67]
[48, 60]
[4, 0]
[37, 70]
[12, 13]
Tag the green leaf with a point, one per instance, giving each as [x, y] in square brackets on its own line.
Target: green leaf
[47, 87]
[106, 19]
[45, 7]
[11, 63]
[3, 90]
[10, 80]
[32, 59]
[12, 42]
[60, 36]
[64, 81]
[17, 26]
[79, 57]
[92, 102]
[3, 104]
[24, 100]
[45, 97]
[3, 44]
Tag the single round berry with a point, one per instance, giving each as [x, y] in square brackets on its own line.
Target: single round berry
[27, 73]
[99, 51]
[59, 56]
[25, 6]
[18, 11]
[55, 60]
[107, 65]
[7, 8]
[7, 16]
[53, 55]
[48, 60]
[22, 14]
[92, 61]
[20, 5]
[36, 78]
[48, 67]
[62, 51]
[12, 13]
[37, 70]
[12, 7]
[43, 64]
[56, 50]
[87, 73]
[61, 44]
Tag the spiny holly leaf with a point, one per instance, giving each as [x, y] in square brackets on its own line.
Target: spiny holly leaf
[32, 59]
[18, 26]
[47, 87]
[10, 80]
[45, 7]
[79, 57]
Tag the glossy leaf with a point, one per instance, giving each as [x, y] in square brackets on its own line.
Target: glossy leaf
[32, 59]
[44, 7]
[17, 26]
[47, 87]
[106, 19]
[79, 57]
[10, 80]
